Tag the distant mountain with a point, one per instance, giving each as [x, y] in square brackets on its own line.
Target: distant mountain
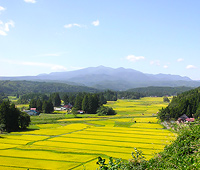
[109, 78]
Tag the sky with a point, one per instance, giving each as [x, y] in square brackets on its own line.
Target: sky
[151, 36]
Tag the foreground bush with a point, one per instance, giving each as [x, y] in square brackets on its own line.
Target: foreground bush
[183, 153]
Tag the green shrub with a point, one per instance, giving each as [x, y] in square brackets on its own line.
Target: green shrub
[104, 110]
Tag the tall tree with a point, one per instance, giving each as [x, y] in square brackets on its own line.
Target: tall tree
[85, 104]
[78, 101]
[55, 98]
[72, 99]
[39, 105]
[47, 107]
[11, 119]
[65, 99]
[33, 103]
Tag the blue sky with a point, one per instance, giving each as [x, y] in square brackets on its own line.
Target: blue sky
[151, 36]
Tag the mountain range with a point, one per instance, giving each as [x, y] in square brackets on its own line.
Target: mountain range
[109, 78]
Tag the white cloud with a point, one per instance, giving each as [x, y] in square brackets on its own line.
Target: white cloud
[165, 66]
[58, 68]
[191, 67]
[95, 23]
[68, 25]
[74, 25]
[2, 32]
[155, 62]
[30, 1]
[4, 28]
[53, 67]
[10, 23]
[180, 59]
[2, 8]
[133, 58]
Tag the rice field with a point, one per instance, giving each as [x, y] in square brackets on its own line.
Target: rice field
[76, 143]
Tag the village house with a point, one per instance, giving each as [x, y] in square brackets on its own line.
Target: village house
[184, 118]
[32, 112]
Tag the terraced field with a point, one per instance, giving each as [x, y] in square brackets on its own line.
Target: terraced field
[76, 143]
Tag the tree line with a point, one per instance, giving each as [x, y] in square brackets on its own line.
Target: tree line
[185, 103]
[160, 91]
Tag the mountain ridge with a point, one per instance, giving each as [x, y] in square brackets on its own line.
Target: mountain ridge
[102, 77]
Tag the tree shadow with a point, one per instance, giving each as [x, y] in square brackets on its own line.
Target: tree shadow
[27, 130]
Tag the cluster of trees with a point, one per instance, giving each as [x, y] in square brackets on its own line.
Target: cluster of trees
[26, 98]
[11, 118]
[166, 99]
[159, 91]
[45, 104]
[129, 95]
[104, 111]
[186, 103]
[3, 96]
[88, 102]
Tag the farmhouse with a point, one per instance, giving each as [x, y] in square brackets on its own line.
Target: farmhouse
[32, 112]
[184, 118]
[68, 107]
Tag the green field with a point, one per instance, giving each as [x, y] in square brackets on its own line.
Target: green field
[65, 142]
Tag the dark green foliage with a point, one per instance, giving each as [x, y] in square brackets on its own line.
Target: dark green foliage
[65, 98]
[93, 102]
[33, 103]
[24, 87]
[186, 103]
[102, 99]
[104, 110]
[72, 99]
[129, 95]
[160, 91]
[110, 95]
[11, 119]
[2, 96]
[78, 101]
[47, 106]
[85, 104]
[24, 99]
[24, 120]
[166, 99]
[1, 100]
[55, 98]
[39, 105]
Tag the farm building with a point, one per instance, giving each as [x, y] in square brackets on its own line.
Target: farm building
[32, 112]
[184, 118]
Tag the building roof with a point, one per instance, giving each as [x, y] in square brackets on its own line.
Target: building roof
[184, 117]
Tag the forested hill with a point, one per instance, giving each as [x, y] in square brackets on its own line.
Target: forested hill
[185, 103]
[23, 87]
[160, 91]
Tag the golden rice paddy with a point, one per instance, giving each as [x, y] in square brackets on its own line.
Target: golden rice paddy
[77, 144]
